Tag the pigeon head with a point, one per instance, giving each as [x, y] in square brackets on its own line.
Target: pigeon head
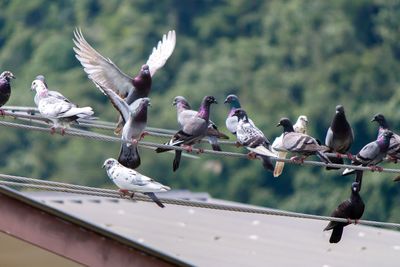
[140, 104]
[339, 109]
[380, 119]
[182, 101]
[286, 124]
[8, 75]
[209, 100]
[303, 120]
[144, 102]
[241, 114]
[145, 70]
[41, 78]
[39, 87]
[233, 100]
[108, 163]
[355, 187]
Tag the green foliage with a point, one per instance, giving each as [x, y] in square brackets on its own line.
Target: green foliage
[283, 58]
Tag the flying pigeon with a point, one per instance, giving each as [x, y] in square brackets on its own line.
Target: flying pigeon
[372, 153]
[184, 113]
[57, 108]
[193, 130]
[299, 143]
[135, 118]
[299, 127]
[339, 136]
[5, 87]
[394, 146]
[253, 139]
[351, 209]
[103, 71]
[231, 120]
[129, 180]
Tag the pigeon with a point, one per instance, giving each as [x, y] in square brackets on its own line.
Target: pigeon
[351, 209]
[232, 121]
[253, 139]
[193, 130]
[104, 72]
[300, 143]
[129, 180]
[135, 117]
[372, 153]
[339, 136]
[184, 113]
[5, 87]
[299, 127]
[56, 108]
[394, 146]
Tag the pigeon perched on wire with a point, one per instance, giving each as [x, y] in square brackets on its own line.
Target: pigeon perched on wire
[394, 146]
[184, 113]
[51, 93]
[299, 143]
[135, 119]
[5, 88]
[231, 120]
[193, 130]
[58, 109]
[253, 139]
[339, 136]
[372, 153]
[350, 209]
[104, 72]
[299, 127]
[130, 181]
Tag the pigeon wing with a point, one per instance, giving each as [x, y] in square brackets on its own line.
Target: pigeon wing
[161, 52]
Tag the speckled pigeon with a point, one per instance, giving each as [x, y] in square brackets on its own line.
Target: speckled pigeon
[135, 118]
[299, 143]
[104, 72]
[231, 120]
[372, 153]
[299, 127]
[184, 113]
[253, 139]
[5, 87]
[351, 209]
[339, 136]
[130, 181]
[56, 108]
[394, 146]
[193, 130]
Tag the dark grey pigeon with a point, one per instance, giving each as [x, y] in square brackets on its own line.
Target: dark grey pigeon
[193, 130]
[351, 209]
[103, 71]
[339, 137]
[300, 143]
[5, 87]
[372, 153]
[135, 116]
[252, 138]
[184, 113]
[394, 146]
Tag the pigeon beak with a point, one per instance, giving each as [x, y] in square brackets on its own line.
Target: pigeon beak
[12, 76]
[279, 124]
[104, 165]
[373, 119]
[225, 101]
[215, 101]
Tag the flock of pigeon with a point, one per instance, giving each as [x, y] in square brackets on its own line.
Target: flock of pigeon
[129, 96]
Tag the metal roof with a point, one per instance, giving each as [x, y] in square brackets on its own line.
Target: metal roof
[204, 237]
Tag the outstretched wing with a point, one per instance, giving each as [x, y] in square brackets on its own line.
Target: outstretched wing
[161, 52]
[100, 69]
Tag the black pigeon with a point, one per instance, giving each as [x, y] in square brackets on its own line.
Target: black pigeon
[394, 146]
[5, 87]
[339, 137]
[300, 143]
[351, 209]
[372, 153]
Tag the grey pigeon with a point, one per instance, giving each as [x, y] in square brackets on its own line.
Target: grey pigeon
[299, 143]
[193, 130]
[231, 120]
[372, 153]
[253, 139]
[5, 87]
[351, 209]
[339, 136]
[60, 111]
[130, 181]
[104, 72]
[184, 113]
[135, 118]
[394, 146]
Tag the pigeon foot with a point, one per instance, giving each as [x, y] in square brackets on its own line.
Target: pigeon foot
[237, 144]
[134, 141]
[200, 150]
[297, 159]
[62, 131]
[124, 192]
[251, 155]
[338, 155]
[392, 159]
[52, 130]
[375, 168]
[2, 112]
[142, 135]
[350, 156]
[187, 148]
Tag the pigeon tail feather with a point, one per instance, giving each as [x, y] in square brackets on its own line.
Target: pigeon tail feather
[129, 156]
[323, 157]
[279, 165]
[155, 199]
[336, 234]
[335, 160]
[267, 163]
[177, 160]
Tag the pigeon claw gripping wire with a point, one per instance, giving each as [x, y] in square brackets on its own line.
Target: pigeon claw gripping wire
[237, 144]
[124, 192]
[200, 150]
[376, 168]
[2, 112]
[143, 134]
[62, 131]
[188, 148]
[134, 141]
[297, 159]
[339, 156]
[52, 130]
[392, 159]
[350, 156]
[251, 155]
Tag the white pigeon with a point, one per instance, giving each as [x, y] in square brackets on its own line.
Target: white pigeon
[299, 127]
[129, 180]
[58, 109]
